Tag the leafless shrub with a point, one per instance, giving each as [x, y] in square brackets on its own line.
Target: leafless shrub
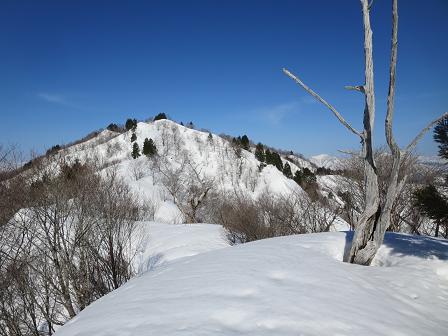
[139, 169]
[187, 185]
[148, 210]
[112, 148]
[248, 219]
[352, 189]
[69, 245]
[110, 163]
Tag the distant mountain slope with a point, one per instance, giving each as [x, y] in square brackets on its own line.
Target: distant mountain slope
[207, 155]
[327, 161]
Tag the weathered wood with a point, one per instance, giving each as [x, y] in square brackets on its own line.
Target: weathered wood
[323, 101]
[394, 186]
[362, 248]
[375, 218]
[359, 88]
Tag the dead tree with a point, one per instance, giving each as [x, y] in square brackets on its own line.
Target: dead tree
[375, 218]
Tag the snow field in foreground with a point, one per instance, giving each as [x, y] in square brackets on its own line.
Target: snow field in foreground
[294, 285]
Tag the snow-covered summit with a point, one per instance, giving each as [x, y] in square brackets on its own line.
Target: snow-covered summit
[209, 155]
[327, 161]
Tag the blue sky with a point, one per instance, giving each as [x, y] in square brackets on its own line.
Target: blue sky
[70, 67]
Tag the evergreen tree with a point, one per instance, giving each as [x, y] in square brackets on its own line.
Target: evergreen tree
[134, 125]
[133, 137]
[441, 137]
[129, 124]
[432, 204]
[268, 156]
[277, 161]
[274, 159]
[149, 148]
[245, 142]
[53, 149]
[135, 150]
[304, 176]
[259, 152]
[146, 150]
[160, 116]
[308, 176]
[113, 128]
[429, 200]
[298, 177]
[287, 170]
[306, 179]
[152, 147]
[210, 137]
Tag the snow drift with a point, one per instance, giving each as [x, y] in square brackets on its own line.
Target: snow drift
[294, 285]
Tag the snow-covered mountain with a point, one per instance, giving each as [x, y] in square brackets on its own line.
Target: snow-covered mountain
[432, 160]
[211, 156]
[189, 280]
[327, 161]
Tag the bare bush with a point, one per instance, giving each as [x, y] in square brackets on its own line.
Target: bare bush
[188, 186]
[139, 169]
[68, 246]
[352, 190]
[269, 215]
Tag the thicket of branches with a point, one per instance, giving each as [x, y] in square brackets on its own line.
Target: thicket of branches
[248, 219]
[68, 245]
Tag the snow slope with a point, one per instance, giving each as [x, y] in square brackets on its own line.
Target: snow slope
[327, 161]
[213, 158]
[294, 285]
[164, 243]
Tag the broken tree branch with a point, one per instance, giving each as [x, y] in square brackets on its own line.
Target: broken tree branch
[323, 101]
[357, 154]
[359, 88]
[414, 142]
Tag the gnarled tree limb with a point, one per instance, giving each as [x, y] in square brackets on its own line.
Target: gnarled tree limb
[323, 101]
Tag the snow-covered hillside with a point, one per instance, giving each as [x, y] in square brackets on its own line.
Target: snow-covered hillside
[209, 156]
[327, 161]
[294, 285]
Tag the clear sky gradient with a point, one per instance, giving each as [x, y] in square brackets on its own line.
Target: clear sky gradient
[70, 67]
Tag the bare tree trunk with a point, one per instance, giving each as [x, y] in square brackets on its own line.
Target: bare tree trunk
[375, 219]
[361, 249]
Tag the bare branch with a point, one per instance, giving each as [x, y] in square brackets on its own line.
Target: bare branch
[359, 88]
[319, 98]
[358, 154]
[414, 142]
[392, 74]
